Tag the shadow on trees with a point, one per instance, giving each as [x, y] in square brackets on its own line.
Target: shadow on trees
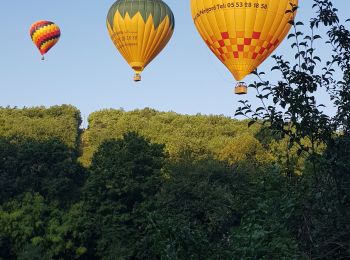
[136, 203]
[39, 182]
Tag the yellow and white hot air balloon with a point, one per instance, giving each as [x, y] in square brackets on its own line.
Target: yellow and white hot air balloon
[140, 29]
[242, 33]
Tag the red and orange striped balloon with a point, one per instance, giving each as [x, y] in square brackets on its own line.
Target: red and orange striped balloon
[45, 35]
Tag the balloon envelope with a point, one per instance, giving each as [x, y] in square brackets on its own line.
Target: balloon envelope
[140, 29]
[242, 33]
[45, 35]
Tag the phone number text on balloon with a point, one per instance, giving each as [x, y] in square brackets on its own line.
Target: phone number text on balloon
[231, 5]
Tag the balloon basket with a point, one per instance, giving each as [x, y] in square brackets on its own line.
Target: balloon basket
[241, 88]
[137, 77]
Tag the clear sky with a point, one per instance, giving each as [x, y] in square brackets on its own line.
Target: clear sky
[85, 70]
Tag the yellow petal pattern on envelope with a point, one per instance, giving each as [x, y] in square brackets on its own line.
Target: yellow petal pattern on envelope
[140, 29]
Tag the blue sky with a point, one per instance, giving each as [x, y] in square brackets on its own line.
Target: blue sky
[85, 70]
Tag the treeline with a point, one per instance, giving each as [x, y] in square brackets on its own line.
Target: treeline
[200, 134]
[40, 123]
[152, 198]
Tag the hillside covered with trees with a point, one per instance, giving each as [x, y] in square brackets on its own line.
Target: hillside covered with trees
[158, 184]
[200, 135]
[145, 184]
[61, 122]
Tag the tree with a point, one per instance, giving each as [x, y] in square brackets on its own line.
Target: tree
[39, 181]
[290, 108]
[21, 224]
[125, 176]
[47, 167]
[198, 134]
[206, 210]
[196, 210]
[40, 123]
[245, 148]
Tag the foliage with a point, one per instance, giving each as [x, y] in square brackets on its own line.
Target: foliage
[47, 168]
[39, 181]
[291, 108]
[196, 210]
[32, 229]
[124, 179]
[61, 122]
[243, 148]
[266, 230]
[197, 134]
[207, 210]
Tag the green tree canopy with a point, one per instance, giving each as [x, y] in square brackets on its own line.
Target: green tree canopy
[124, 179]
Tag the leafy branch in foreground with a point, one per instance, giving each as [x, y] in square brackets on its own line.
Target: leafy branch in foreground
[291, 109]
[289, 106]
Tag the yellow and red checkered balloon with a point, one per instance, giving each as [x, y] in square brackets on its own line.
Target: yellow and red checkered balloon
[45, 35]
[242, 33]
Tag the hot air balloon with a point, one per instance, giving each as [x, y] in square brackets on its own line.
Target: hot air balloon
[45, 35]
[140, 29]
[242, 33]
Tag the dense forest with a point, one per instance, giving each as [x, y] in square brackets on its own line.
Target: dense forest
[57, 122]
[158, 185]
[201, 135]
[138, 197]
[146, 184]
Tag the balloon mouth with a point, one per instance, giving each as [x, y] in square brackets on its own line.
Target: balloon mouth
[137, 69]
[137, 66]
